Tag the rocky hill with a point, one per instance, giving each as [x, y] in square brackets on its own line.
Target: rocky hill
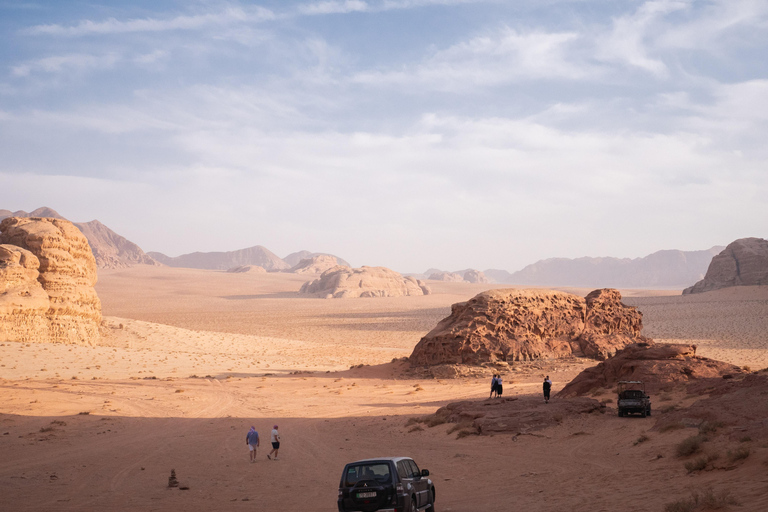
[344, 282]
[743, 263]
[515, 325]
[110, 249]
[47, 278]
[256, 255]
[316, 264]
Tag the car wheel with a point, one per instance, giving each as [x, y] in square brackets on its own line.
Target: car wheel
[621, 413]
[413, 506]
[649, 410]
[432, 504]
[645, 412]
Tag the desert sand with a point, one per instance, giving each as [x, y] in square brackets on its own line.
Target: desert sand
[190, 359]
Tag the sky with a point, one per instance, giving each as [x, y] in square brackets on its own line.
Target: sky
[404, 133]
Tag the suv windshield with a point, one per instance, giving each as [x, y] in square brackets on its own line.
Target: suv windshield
[378, 471]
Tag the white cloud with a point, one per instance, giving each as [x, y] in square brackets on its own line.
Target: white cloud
[115, 26]
[333, 7]
[65, 63]
[502, 57]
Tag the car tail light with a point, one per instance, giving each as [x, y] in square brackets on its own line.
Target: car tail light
[399, 488]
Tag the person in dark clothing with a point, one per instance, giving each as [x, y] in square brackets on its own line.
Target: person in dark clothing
[499, 386]
[494, 384]
[547, 387]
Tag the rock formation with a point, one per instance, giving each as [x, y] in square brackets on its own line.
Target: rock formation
[452, 277]
[659, 366]
[257, 255]
[295, 258]
[110, 249]
[59, 254]
[743, 263]
[515, 325]
[345, 282]
[315, 265]
[513, 415]
[475, 276]
[247, 269]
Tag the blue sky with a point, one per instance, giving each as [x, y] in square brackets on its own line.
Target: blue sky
[403, 133]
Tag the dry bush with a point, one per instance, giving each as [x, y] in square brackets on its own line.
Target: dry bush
[671, 426]
[458, 426]
[740, 453]
[710, 427]
[435, 420]
[466, 432]
[696, 465]
[643, 438]
[607, 401]
[416, 428]
[46, 429]
[413, 420]
[745, 439]
[701, 501]
[668, 408]
[665, 397]
[689, 446]
[59, 422]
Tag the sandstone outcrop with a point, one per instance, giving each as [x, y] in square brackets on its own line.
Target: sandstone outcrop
[513, 415]
[742, 263]
[519, 325]
[294, 258]
[659, 366]
[451, 277]
[247, 269]
[59, 254]
[315, 265]
[345, 282]
[475, 276]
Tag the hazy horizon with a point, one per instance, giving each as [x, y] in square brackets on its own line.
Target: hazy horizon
[404, 133]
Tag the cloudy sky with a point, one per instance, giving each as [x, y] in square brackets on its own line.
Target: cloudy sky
[403, 133]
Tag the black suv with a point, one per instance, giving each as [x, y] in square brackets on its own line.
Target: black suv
[392, 484]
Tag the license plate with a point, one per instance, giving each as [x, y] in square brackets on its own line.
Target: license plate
[366, 494]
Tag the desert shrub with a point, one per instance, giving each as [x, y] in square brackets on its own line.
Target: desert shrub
[745, 439]
[458, 426]
[46, 429]
[59, 422]
[710, 427]
[607, 400]
[696, 465]
[413, 420]
[668, 408]
[740, 453]
[689, 446]
[643, 438]
[702, 500]
[671, 426]
[466, 432]
[435, 420]
[665, 397]
[416, 428]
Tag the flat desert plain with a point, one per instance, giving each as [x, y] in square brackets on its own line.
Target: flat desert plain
[190, 359]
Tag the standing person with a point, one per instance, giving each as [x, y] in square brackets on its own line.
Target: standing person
[252, 440]
[499, 386]
[547, 387]
[275, 443]
[494, 384]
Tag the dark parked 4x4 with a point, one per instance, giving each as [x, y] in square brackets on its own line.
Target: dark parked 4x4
[393, 484]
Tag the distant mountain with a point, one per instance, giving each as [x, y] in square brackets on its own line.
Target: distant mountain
[498, 276]
[662, 269]
[257, 255]
[110, 249]
[295, 258]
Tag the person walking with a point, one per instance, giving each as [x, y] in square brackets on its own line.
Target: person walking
[547, 387]
[252, 440]
[494, 384]
[275, 443]
[499, 385]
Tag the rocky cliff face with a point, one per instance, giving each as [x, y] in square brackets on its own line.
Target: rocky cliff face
[515, 325]
[56, 255]
[743, 263]
[659, 366]
[344, 282]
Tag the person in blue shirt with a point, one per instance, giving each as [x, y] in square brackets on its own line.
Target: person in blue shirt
[252, 440]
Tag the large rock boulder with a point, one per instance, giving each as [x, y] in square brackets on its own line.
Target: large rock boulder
[659, 366]
[315, 265]
[59, 254]
[345, 282]
[451, 277]
[475, 276]
[743, 263]
[519, 325]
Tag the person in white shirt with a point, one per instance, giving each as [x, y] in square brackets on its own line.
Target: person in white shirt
[275, 443]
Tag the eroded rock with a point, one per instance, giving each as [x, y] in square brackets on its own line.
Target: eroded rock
[66, 272]
[659, 366]
[520, 325]
[743, 263]
[315, 265]
[345, 282]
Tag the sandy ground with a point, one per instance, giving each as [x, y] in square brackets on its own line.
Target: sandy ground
[190, 359]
